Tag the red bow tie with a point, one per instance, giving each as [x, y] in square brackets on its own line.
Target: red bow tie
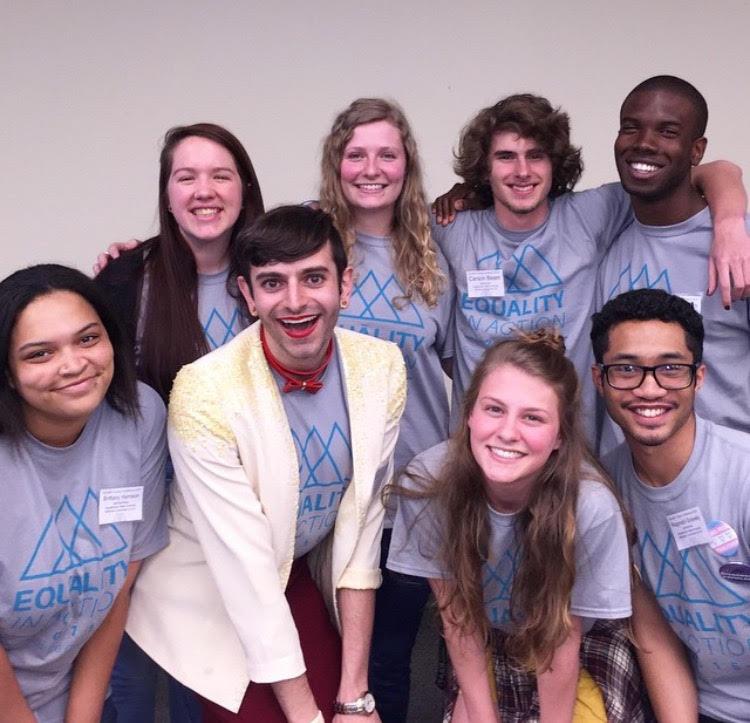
[307, 381]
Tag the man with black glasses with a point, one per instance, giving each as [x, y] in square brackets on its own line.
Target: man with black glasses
[686, 482]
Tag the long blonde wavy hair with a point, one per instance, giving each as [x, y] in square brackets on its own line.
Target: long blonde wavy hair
[414, 255]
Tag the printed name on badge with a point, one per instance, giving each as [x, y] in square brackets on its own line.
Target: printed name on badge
[485, 283]
[689, 528]
[735, 572]
[695, 300]
[120, 504]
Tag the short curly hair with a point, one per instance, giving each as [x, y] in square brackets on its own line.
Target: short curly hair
[530, 116]
[647, 305]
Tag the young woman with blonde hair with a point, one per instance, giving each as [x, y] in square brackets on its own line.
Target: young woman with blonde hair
[372, 187]
[525, 547]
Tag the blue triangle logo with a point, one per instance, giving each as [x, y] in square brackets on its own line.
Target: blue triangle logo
[318, 455]
[497, 582]
[373, 300]
[690, 578]
[533, 272]
[218, 331]
[71, 538]
[491, 262]
[627, 281]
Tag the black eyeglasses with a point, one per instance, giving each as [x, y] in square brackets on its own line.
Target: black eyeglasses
[631, 376]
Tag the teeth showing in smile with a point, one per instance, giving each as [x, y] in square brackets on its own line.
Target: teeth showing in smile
[301, 322]
[371, 186]
[644, 167]
[506, 453]
[206, 211]
[649, 411]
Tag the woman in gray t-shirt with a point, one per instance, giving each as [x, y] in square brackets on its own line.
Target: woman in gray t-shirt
[82, 457]
[525, 546]
[372, 187]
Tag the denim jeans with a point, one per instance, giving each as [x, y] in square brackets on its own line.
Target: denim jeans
[399, 603]
[133, 687]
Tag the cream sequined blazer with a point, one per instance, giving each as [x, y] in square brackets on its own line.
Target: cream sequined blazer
[210, 608]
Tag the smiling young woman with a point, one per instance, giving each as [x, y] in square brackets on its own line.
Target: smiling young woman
[174, 292]
[82, 458]
[525, 546]
[372, 187]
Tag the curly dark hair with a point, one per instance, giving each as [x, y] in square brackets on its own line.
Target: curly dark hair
[647, 305]
[530, 116]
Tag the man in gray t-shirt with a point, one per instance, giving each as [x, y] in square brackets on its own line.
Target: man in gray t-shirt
[667, 247]
[531, 259]
[686, 483]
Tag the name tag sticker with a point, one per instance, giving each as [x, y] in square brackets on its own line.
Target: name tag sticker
[695, 300]
[735, 572]
[688, 528]
[485, 283]
[120, 504]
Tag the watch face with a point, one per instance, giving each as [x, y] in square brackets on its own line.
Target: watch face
[369, 702]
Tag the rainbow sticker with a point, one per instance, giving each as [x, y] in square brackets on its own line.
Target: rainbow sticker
[723, 538]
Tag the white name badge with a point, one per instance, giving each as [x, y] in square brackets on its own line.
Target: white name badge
[689, 528]
[695, 300]
[120, 504]
[485, 283]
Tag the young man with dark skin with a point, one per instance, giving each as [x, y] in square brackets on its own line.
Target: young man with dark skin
[281, 442]
[531, 259]
[686, 482]
[661, 139]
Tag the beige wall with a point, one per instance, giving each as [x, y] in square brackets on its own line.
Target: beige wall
[88, 89]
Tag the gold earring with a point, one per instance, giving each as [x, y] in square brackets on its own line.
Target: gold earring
[343, 303]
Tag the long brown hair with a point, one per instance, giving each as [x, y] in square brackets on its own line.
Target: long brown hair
[546, 527]
[414, 255]
[172, 335]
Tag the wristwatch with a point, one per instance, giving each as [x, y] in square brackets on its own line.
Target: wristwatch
[364, 705]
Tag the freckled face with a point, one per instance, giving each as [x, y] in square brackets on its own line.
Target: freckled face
[373, 167]
[514, 427]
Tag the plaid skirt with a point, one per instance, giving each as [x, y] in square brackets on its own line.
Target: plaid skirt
[606, 653]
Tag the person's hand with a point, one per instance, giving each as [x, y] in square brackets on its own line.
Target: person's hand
[113, 252]
[457, 199]
[729, 263]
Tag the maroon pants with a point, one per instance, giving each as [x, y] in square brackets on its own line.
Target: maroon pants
[321, 648]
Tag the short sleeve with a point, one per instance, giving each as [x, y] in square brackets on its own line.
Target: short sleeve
[416, 539]
[605, 211]
[151, 534]
[602, 585]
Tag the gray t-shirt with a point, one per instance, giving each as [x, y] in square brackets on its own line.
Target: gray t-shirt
[424, 335]
[602, 584]
[549, 277]
[320, 429]
[218, 312]
[675, 258]
[710, 613]
[61, 569]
